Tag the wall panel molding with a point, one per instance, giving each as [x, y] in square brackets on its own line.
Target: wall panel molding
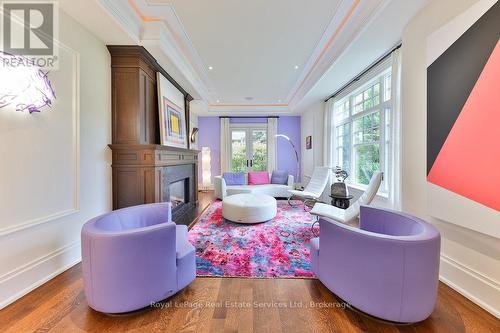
[470, 283]
[33, 270]
[75, 109]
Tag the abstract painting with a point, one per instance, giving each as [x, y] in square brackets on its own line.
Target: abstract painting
[172, 119]
[463, 112]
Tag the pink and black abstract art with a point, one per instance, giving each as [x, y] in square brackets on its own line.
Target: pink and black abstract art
[463, 114]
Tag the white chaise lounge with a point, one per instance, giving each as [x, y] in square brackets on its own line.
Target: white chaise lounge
[351, 213]
[314, 188]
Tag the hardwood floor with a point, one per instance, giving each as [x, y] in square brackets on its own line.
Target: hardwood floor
[229, 305]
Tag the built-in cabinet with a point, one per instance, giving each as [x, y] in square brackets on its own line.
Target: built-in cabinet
[140, 164]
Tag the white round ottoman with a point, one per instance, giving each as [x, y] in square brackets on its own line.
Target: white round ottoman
[249, 208]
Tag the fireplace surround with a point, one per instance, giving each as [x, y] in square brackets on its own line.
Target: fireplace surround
[143, 170]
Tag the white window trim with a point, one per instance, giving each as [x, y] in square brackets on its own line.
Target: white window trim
[248, 127]
[370, 78]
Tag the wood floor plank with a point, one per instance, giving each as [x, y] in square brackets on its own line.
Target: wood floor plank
[60, 306]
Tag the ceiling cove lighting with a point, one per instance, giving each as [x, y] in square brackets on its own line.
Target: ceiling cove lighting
[23, 84]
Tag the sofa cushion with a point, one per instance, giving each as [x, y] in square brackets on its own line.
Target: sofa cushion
[279, 177]
[234, 178]
[258, 178]
[273, 190]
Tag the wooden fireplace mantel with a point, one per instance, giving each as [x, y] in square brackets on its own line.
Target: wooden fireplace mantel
[139, 173]
[142, 168]
[152, 155]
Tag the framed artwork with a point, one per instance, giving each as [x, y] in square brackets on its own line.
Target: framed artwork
[309, 142]
[172, 118]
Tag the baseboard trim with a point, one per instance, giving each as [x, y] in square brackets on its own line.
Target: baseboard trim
[34, 270]
[481, 282]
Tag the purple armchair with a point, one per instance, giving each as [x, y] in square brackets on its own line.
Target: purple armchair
[134, 256]
[387, 268]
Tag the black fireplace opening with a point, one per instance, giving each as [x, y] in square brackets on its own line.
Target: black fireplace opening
[179, 189]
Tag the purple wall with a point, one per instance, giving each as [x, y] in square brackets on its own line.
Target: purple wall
[289, 126]
[248, 120]
[209, 136]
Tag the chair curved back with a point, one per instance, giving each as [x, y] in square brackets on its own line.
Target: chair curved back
[372, 189]
[318, 181]
[134, 217]
[396, 256]
[366, 198]
[130, 258]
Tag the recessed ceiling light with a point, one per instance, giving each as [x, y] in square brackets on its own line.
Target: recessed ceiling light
[279, 100]
[296, 67]
[218, 101]
[210, 68]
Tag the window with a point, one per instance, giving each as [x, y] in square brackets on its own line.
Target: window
[362, 130]
[248, 148]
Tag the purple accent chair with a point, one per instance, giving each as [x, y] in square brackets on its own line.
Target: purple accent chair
[387, 268]
[134, 256]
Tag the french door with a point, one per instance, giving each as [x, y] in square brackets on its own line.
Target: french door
[248, 149]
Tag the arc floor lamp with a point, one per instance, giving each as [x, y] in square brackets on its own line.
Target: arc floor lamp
[296, 153]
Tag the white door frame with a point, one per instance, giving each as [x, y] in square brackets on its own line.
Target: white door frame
[247, 128]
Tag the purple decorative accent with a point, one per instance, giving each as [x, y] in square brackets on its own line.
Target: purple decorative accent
[247, 120]
[289, 126]
[134, 256]
[387, 268]
[279, 177]
[277, 248]
[209, 136]
[23, 84]
[234, 178]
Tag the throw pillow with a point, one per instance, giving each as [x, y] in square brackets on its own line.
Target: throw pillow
[279, 177]
[258, 178]
[234, 178]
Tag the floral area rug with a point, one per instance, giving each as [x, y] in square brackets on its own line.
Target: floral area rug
[277, 248]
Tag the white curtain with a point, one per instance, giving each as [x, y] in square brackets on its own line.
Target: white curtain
[328, 157]
[225, 145]
[272, 130]
[395, 171]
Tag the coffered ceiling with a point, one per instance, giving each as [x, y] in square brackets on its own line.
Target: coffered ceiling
[257, 49]
[238, 56]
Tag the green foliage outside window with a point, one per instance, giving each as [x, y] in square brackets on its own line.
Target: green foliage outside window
[239, 151]
[367, 162]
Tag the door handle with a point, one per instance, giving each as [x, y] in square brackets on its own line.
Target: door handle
[247, 163]
[251, 163]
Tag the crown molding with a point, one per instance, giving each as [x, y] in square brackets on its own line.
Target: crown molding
[124, 16]
[167, 35]
[156, 35]
[350, 19]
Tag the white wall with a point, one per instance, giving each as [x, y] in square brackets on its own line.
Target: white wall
[470, 261]
[311, 123]
[55, 172]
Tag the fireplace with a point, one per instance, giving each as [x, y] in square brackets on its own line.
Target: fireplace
[178, 192]
[179, 189]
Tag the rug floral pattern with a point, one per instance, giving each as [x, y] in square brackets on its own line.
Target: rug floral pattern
[277, 248]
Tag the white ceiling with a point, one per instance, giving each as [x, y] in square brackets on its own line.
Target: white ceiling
[378, 36]
[252, 46]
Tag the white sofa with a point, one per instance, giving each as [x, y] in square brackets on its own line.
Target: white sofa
[275, 190]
